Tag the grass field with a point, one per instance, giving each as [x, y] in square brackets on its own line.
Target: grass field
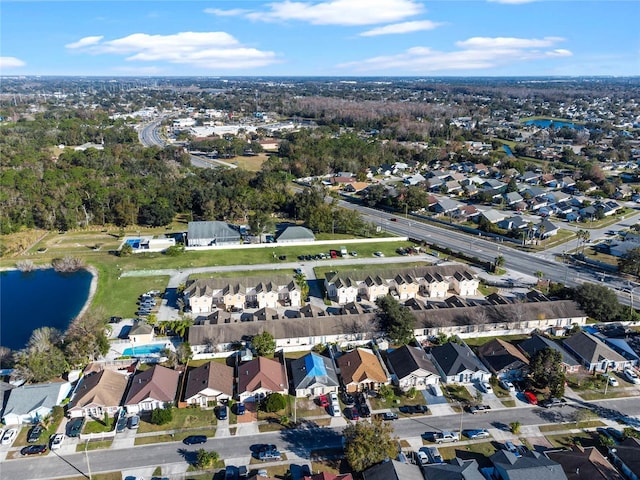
[182, 418]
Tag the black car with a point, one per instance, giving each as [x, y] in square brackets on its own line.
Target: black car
[122, 424]
[34, 434]
[240, 409]
[221, 412]
[34, 450]
[74, 427]
[348, 399]
[134, 422]
[408, 409]
[364, 410]
[195, 439]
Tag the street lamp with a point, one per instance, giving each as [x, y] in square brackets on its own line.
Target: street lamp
[86, 453]
[631, 307]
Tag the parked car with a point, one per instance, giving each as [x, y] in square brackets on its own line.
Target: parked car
[473, 409]
[270, 455]
[423, 458]
[613, 381]
[122, 423]
[195, 439]
[34, 450]
[616, 434]
[530, 397]
[631, 376]
[9, 436]
[74, 427]
[434, 455]
[323, 401]
[378, 254]
[389, 416]
[354, 414]
[364, 410]
[348, 399]
[240, 408]
[221, 412]
[474, 434]
[510, 447]
[553, 402]
[485, 387]
[507, 385]
[34, 433]
[354, 254]
[56, 441]
[134, 422]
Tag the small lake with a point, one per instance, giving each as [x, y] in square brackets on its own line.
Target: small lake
[548, 123]
[37, 299]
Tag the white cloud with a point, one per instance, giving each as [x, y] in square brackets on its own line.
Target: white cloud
[200, 49]
[341, 12]
[234, 12]
[11, 62]
[85, 42]
[398, 28]
[508, 42]
[481, 53]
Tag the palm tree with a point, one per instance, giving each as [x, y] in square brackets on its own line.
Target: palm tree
[43, 338]
[498, 262]
[301, 282]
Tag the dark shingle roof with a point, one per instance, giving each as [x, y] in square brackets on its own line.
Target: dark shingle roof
[454, 358]
[533, 345]
[500, 355]
[406, 360]
[528, 466]
[210, 375]
[313, 369]
[392, 470]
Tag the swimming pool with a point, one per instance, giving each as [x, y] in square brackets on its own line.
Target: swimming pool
[143, 350]
[134, 242]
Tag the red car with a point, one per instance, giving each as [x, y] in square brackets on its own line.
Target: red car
[322, 399]
[531, 398]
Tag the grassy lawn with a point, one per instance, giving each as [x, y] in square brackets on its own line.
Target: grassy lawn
[554, 427]
[183, 418]
[567, 440]
[458, 393]
[256, 461]
[251, 273]
[270, 427]
[612, 392]
[95, 445]
[477, 341]
[177, 437]
[251, 163]
[482, 448]
[96, 426]
[322, 270]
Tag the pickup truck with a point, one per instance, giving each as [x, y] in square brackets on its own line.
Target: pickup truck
[478, 409]
[446, 437]
[553, 402]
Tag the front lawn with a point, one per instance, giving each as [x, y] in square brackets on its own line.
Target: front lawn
[176, 437]
[479, 451]
[458, 393]
[565, 440]
[183, 418]
[96, 426]
[94, 445]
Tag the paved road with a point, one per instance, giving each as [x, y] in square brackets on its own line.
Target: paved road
[298, 443]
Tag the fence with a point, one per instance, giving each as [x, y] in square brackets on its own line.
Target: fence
[300, 244]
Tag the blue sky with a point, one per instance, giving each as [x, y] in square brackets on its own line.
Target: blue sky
[322, 37]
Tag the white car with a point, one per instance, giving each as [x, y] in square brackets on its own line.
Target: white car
[378, 254]
[631, 376]
[56, 441]
[613, 381]
[422, 457]
[507, 385]
[9, 436]
[486, 387]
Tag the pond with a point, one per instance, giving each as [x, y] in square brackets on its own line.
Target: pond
[30, 300]
[548, 123]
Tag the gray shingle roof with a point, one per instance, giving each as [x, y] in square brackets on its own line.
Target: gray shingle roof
[406, 360]
[533, 345]
[313, 370]
[454, 358]
[529, 466]
[591, 349]
[291, 234]
[393, 470]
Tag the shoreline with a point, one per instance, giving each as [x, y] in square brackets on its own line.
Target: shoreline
[92, 291]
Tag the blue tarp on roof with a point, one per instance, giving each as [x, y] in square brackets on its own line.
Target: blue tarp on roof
[314, 366]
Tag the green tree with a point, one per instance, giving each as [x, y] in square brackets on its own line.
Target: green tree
[598, 301]
[515, 427]
[366, 444]
[126, 250]
[175, 250]
[396, 320]
[264, 344]
[630, 262]
[161, 416]
[275, 402]
[205, 459]
[301, 282]
[546, 371]
[498, 262]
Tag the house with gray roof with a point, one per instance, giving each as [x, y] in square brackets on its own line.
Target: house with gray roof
[626, 456]
[506, 466]
[445, 205]
[411, 367]
[504, 359]
[393, 470]
[531, 346]
[594, 354]
[456, 363]
[493, 216]
[295, 234]
[457, 469]
[313, 374]
[32, 403]
[584, 463]
[204, 234]
[513, 198]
